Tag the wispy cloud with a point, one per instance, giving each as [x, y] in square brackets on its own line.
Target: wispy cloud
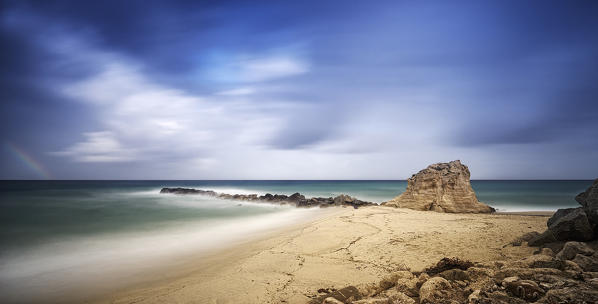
[99, 147]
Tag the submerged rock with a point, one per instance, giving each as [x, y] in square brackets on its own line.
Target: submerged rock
[442, 187]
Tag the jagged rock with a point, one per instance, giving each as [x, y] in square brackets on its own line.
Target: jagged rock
[524, 238]
[573, 248]
[570, 224]
[447, 264]
[589, 202]
[455, 275]
[571, 295]
[547, 251]
[421, 279]
[373, 301]
[397, 297]
[587, 263]
[542, 238]
[526, 273]
[349, 293]
[479, 272]
[434, 290]
[474, 297]
[408, 286]
[297, 199]
[342, 199]
[539, 261]
[442, 187]
[525, 289]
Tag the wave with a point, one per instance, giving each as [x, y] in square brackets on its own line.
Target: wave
[101, 263]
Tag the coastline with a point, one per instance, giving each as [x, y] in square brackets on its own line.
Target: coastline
[348, 246]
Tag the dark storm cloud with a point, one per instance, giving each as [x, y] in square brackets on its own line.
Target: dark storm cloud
[197, 89]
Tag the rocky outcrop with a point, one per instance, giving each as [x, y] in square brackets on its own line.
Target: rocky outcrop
[573, 224]
[570, 277]
[296, 199]
[442, 187]
[589, 202]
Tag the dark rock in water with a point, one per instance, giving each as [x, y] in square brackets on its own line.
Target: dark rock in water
[343, 199]
[297, 199]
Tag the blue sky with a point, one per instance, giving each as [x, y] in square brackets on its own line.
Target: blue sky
[298, 90]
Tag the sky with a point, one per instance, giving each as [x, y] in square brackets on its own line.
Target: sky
[297, 89]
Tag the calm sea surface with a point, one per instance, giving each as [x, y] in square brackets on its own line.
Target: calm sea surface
[34, 212]
[55, 232]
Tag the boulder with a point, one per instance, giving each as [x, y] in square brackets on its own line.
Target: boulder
[397, 297]
[589, 202]
[587, 263]
[434, 290]
[455, 275]
[571, 249]
[441, 187]
[570, 224]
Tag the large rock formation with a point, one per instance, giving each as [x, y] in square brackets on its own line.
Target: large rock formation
[442, 187]
[296, 199]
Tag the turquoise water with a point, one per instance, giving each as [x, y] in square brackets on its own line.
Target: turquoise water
[58, 237]
[34, 212]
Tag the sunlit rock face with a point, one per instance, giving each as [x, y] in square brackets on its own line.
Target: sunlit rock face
[441, 187]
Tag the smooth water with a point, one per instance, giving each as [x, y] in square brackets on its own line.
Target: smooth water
[58, 234]
[36, 212]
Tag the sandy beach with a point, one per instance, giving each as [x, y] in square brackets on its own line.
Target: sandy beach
[347, 247]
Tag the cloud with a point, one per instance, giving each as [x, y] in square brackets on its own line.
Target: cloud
[262, 69]
[99, 147]
[241, 69]
[238, 91]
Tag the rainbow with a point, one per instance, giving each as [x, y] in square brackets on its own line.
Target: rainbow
[28, 161]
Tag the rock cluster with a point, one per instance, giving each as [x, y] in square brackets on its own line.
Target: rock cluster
[569, 277]
[295, 199]
[573, 224]
[442, 187]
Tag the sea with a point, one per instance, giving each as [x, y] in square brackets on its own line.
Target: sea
[62, 237]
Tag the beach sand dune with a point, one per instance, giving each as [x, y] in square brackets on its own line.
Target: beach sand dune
[352, 246]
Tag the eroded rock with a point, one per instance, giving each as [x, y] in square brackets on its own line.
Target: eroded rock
[441, 187]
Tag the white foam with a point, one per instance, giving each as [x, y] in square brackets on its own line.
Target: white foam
[63, 268]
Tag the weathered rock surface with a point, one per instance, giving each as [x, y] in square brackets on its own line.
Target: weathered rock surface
[442, 187]
[296, 199]
[538, 278]
[589, 202]
[571, 249]
[573, 224]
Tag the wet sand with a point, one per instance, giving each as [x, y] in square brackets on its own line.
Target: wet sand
[348, 247]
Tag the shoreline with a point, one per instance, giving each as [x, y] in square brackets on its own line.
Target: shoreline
[343, 247]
